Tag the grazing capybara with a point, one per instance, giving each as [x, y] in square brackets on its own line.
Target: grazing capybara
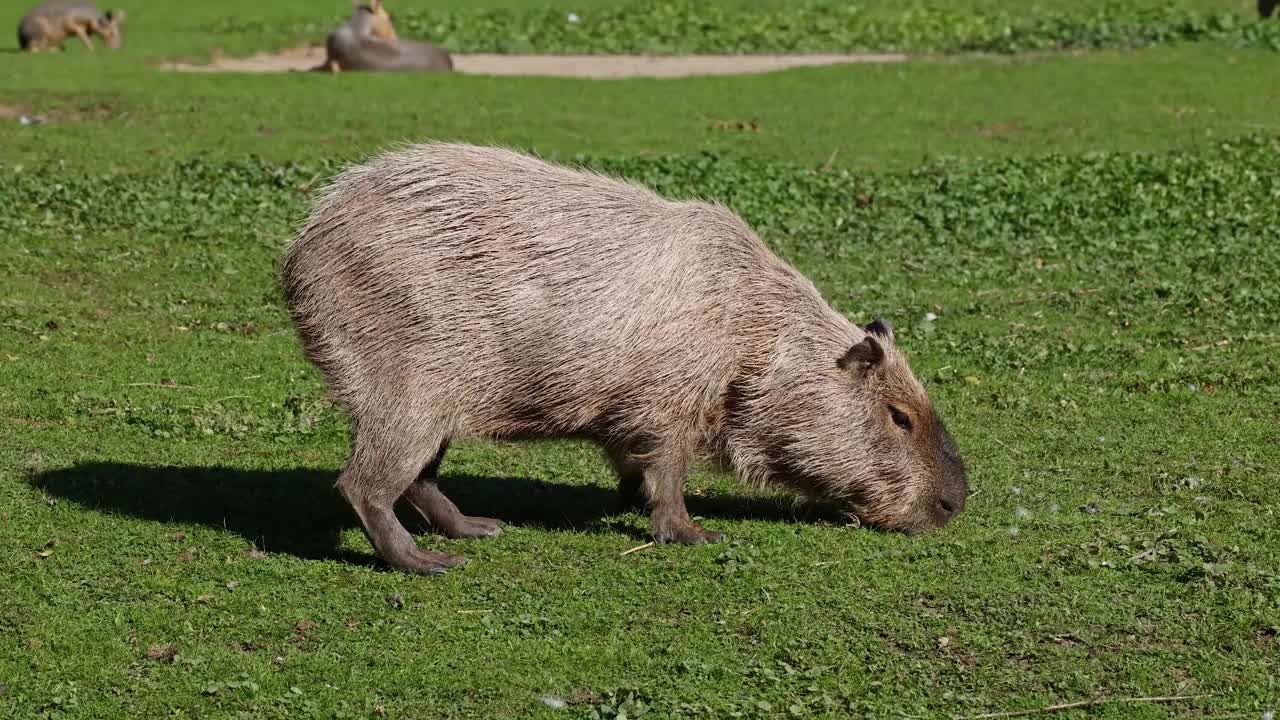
[48, 25]
[451, 291]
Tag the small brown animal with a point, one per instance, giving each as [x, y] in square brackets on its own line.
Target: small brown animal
[47, 26]
[368, 41]
[450, 291]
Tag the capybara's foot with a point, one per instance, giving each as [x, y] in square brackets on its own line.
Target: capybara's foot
[685, 533]
[425, 562]
[467, 526]
[440, 513]
[393, 543]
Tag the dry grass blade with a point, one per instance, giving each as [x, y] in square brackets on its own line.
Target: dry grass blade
[637, 548]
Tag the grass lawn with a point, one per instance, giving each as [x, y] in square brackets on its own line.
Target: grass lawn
[1088, 281]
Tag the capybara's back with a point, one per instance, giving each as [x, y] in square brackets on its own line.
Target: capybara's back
[509, 297]
[348, 50]
[451, 291]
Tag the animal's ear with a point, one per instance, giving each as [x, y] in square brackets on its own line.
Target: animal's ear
[881, 329]
[863, 356]
[377, 6]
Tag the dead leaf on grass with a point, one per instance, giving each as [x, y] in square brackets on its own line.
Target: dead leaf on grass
[162, 653]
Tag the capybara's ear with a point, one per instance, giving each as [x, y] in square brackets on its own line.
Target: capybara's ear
[881, 329]
[863, 356]
[377, 6]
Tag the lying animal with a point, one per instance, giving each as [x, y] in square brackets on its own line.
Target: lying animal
[368, 41]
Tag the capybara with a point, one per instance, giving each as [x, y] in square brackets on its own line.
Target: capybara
[451, 291]
[47, 26]
[368, 41]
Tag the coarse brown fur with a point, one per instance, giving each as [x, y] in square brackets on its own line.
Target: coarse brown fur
[368, 41]
[47, 26]
[451, 291]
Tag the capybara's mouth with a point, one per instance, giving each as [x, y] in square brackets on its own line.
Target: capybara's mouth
[915, 523]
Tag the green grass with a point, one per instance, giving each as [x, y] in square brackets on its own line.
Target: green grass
[115, 110]
[676, 26]
[1097, 342]
[1101, 259]
[165, 29]
[123, 115]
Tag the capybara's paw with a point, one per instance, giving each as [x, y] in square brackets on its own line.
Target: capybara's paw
[426, 562]
[475, 527]
[685, 534]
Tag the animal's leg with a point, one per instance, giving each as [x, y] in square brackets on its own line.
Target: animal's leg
[425, 497]
[664, 476]
[382, 466]
[84, 36]
[43, 38]
[630, 479]
[334, 67]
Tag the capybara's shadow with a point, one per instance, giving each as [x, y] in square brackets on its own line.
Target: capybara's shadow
[299, 512]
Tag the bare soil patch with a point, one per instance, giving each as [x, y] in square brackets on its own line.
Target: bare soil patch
[12, 112]
[582, 66]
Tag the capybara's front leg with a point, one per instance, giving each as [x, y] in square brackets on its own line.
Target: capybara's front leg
[378, 473]
[425, 497]
[664, 485]
[84, 36]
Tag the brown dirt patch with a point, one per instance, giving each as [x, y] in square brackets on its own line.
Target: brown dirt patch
[80, 112]
[581, 66]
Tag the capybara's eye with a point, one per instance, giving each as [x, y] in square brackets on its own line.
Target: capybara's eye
[900, 418]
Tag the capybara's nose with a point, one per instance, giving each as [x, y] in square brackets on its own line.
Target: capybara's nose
[946, 508]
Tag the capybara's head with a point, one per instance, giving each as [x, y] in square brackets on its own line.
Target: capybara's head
[380, 25]
[111, 28]
[857, 428]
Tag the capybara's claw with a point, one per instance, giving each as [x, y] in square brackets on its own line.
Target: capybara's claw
[426, 562]
[685, 535]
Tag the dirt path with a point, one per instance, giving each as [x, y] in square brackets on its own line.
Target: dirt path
[583, 66]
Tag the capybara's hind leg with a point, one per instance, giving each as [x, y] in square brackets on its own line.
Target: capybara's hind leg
[379, 471]
[664, 477]
[425, 497]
